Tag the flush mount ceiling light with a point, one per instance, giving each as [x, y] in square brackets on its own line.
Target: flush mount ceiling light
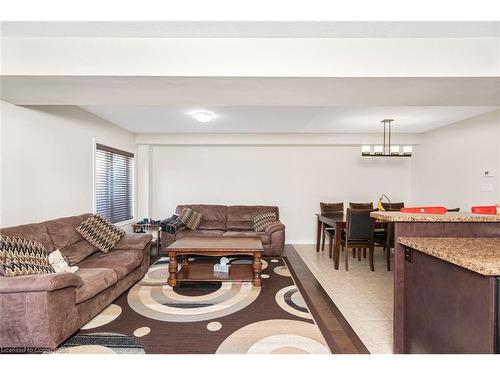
[203, 116]
[386, 149]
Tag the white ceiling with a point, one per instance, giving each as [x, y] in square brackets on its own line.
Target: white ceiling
[253, 29]
[284, 119]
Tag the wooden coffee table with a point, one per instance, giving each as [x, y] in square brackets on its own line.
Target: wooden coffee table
[217, 247]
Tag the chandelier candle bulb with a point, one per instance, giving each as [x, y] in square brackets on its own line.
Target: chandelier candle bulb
[395, 150]
[379, 150]
[366, 149]
[407, 150]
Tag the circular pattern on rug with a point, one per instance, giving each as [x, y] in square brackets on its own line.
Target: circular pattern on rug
[106, 316]
[214, 326]
[143, 331]
[264, 276]
[164, 303]
[282, 271]
[275, 336]
[101, 343]
[274, 260]
[157, 274]
[290, 300]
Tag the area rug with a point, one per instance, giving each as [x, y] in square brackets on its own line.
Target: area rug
[205, 318]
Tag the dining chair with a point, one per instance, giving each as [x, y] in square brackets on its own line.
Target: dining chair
[381, 234]
[359, 234]
[361, 206]
[330, 209]
[396, 206]
[385, 239]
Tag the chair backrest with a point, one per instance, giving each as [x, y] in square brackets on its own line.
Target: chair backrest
[453, 209]
[331, 208]
[361, 206]
[395, 206]
[360, 225]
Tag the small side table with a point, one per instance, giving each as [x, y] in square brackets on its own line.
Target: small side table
[150, 228]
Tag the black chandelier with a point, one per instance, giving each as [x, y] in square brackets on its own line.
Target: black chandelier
[387, 148]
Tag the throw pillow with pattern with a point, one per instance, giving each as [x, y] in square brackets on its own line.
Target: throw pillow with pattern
[100, 232]
[22, 256]
[262, 221]
[190, 218]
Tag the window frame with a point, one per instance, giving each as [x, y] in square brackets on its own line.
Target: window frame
[99, 146]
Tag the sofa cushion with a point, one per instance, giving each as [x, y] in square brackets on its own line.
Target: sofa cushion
[198, 233]
[78, 251]
[241, 217]
[264, 237]
[36, 232]
[213, 216]
[121, 261]
[63, 232]
[21, 256]
[94, 281]
[100, 232]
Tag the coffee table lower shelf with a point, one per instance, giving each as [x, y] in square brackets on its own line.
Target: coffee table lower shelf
[205, 273]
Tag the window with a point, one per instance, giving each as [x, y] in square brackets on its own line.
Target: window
[114, 183]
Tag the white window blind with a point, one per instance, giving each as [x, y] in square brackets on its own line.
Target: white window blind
[114, 183]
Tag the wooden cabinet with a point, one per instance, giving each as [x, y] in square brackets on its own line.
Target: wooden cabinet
[441, 307]
[446, 308]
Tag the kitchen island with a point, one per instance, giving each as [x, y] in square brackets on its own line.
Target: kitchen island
[445, 282]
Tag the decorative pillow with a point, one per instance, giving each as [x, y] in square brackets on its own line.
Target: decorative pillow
[185, 214]
[100, 232]
[21, 256]
[262, 221]
[190, 218]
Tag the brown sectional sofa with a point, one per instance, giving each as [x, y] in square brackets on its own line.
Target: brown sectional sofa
[41, 311]
[219, 220]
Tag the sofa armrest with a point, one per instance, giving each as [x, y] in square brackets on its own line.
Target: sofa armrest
[38, 283]
[274, 227]
[168, 239]
[136, 241]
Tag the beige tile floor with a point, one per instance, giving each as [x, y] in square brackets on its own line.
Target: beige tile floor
[365, 298]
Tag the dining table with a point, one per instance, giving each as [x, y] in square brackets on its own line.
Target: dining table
[339, 222]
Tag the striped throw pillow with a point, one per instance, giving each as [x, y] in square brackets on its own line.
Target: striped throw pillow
[190, 218]
[100, 232]
[21, 256]
[262, 221]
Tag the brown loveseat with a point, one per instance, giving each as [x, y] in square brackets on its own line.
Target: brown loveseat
[41, 311]
[221, 220]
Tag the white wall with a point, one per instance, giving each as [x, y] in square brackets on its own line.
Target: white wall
[448, 165]
[295, 178]
[47, 156]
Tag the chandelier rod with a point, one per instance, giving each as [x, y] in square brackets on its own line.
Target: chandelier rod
[384, 149]
[387, 135]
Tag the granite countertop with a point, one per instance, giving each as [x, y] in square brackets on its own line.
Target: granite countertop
[457, 217]
[481, 255]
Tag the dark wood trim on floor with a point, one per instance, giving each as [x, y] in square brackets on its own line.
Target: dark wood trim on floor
[338, 334]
